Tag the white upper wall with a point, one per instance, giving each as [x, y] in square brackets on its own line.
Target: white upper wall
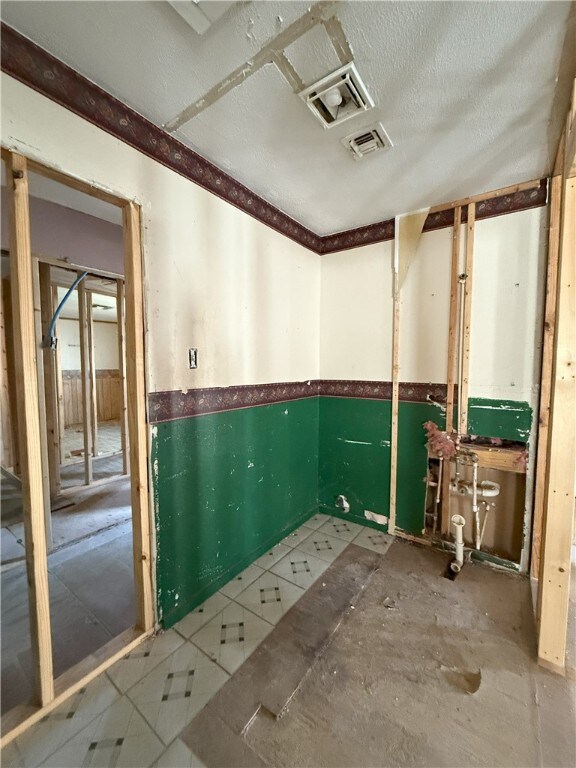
[216, 279]
[105, 345]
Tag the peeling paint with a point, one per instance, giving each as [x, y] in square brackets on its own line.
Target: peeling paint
[353, 442]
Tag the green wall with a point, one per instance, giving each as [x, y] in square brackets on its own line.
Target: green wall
[227, 486]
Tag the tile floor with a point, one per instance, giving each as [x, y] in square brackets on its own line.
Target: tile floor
[132, 714]
[109, 439]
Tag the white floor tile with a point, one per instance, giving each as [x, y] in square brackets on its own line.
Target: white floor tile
[137, 664]
[201, 615]
[239, 583]
[270, 597]
[271, 557]
[10, 757]
[118, 738]
[176, 690]
[300, 568]
[178, 755]
[295, 538]
[341, 528]
[374, 540]
[322, 545]
[232, 636]
[66, 721]
[317, 521]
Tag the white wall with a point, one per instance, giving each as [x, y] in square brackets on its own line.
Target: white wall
[105, 345]
[216, 279]
[507, 304]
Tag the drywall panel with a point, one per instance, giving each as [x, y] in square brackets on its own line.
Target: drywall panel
[356, 314]
[216, 279]
[507, 306]
[105, 345]
[424, 310]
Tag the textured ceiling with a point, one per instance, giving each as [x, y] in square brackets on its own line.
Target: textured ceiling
[467, 91]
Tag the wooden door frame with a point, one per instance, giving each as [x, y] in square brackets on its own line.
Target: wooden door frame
[52, 692]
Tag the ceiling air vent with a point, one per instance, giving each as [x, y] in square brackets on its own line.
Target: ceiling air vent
[337, 97]
[367, 141]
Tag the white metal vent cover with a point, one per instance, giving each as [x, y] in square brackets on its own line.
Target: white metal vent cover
[338, 96]
[367, 141]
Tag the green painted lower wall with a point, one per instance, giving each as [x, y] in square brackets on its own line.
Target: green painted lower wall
[227, 486]
[507, 419]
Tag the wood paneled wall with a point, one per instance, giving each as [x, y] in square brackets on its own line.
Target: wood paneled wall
[108, 396]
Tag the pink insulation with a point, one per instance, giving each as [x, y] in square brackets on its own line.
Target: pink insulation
[440, 443]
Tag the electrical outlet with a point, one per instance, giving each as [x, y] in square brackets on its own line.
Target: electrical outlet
[193, 357]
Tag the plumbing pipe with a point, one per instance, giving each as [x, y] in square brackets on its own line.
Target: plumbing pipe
[51, 339]
[475, 509]
[458, 522]
[438, 494]
[486, 489]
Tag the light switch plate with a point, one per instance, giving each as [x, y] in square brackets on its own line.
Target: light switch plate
[193, 357]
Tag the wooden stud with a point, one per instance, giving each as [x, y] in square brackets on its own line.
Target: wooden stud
[86, 381]
[546, 372]
[554, 581]
[121, 322]
[29, 426]
[395, 386]
[451, 366]
[92, 371]
[137, 416]
[463, 416]
[44, 450]
[50, 382]
[59, 384]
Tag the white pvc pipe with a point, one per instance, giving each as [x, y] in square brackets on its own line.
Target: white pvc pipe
[458, 522]
[475, 509]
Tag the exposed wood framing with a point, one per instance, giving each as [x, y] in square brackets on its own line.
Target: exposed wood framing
[50, 382]
[121, 322]
[86, 381]
[395, 386]
[473, 199]
[463, 415]
[554, 581]
[59, 383]
[44, 462]
[92, 368]
[546, 374]
[29, 426]
[137, 415]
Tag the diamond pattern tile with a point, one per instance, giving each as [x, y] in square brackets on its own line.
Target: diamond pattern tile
[300, 568]
[341, 528]
[374, 540]
[239, 583]
[232, 636]
[176, 690]
[295, 538]
[118, 738]
[178, 755]
[201, 615]
[322, 545]
[136, 665]
[317, 520]
[270, 597]
[67, 720]
[271, 557]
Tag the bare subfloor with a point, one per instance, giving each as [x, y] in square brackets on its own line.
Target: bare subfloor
[422, 671]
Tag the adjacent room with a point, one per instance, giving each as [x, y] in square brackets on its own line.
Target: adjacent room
[288, 434]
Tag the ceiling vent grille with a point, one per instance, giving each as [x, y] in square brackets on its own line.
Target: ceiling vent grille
[338, 96]
[367, 141]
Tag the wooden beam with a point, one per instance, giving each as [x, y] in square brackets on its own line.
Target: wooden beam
[463, 416]
[59, 385]
[395, 385]
[50, 382]
[473, 199]
[135, 374]
[29, 426]
[121, 320]
[86, 381]
[451, 366]
[546, 372]
[554, 581]
[43, 447]
[92, 375]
